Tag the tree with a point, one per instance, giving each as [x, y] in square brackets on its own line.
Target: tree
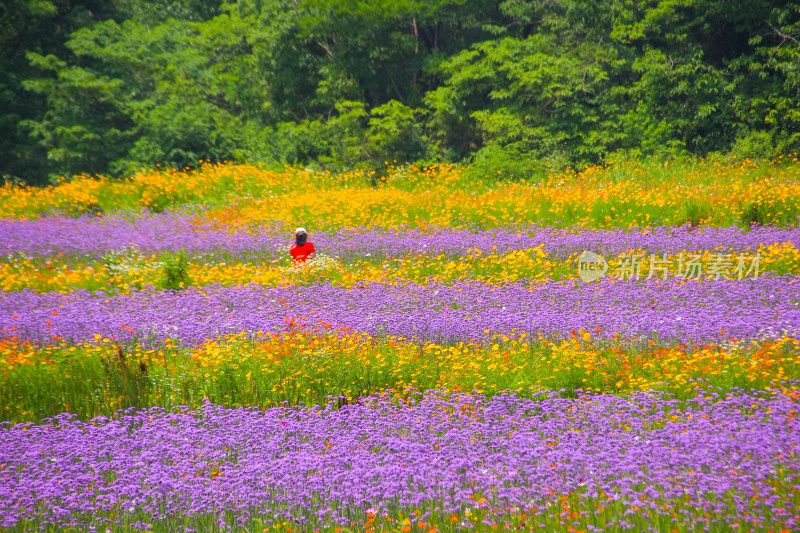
[39, 26]
[508, 85]
[140, 95]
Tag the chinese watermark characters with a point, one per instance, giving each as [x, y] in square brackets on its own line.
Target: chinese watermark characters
[592, 266]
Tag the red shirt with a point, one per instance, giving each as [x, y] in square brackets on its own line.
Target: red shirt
[300, 253]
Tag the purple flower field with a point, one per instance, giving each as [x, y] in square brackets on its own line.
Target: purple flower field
[439, 460]
[96, 236]
[727, 461]
[668, 310]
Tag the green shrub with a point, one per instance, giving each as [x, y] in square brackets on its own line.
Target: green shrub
[752, 214]
[756, 145]
[695, 211]
[175, 271]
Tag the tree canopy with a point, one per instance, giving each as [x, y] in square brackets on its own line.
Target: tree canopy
[111, 87]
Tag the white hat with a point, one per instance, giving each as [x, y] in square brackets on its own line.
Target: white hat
[298, 231]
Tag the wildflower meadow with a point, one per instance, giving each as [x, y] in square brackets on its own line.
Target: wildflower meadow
[443, 363]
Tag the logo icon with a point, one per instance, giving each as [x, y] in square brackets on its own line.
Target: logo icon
[591, 266]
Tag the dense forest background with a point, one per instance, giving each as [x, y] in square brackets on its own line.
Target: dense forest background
[108, 87]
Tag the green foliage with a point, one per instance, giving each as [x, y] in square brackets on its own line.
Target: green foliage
[41, 27]
[529, 96]
[777, 66]
[756, 145]
[512, 86]
[175, 271]
[696, 211]
[169, 94]
[127, 379]
[394, 134]
[753, 214]
[507, 162]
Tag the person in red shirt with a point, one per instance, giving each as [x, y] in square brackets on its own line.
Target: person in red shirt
[301, 249]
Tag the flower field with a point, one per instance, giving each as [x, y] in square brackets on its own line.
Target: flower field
[441, 366]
